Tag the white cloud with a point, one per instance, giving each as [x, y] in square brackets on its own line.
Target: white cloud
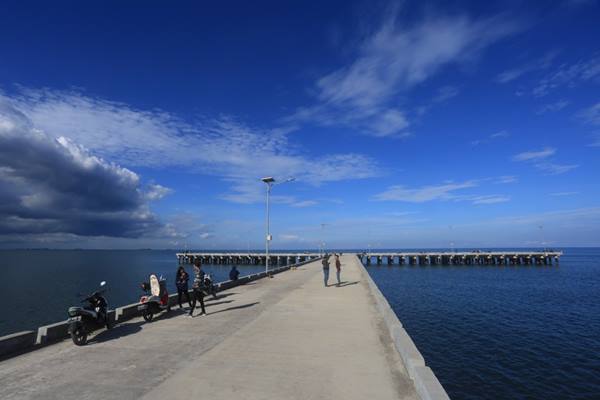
[494, 136]
[304, 203]
[560, 194]
[507, 179]
[222, 147]
[445, 93]
[289, 237]
[534, 155]
[591, 115]
[596, 142]
[555, 169]
[392, 60]
[424, 193]
[553, 107]
[569, 75]
[500, 134]
[536, 65]
[539, 160]
[489, 199]
[157, 192]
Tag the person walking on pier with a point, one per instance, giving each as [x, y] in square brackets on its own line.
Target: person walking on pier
[181, 281]
[338, 268]
[325, 263]
[198, 288]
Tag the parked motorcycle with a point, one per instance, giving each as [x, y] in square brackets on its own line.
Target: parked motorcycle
[156, 298]
[93, 316]
[209, 286]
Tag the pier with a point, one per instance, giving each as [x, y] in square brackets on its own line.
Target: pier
[245, 258]
[288, 337]
[462, 258]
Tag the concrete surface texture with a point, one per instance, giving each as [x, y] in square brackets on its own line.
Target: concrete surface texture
[283, 338]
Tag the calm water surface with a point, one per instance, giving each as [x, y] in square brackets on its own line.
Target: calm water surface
[510, 332]
[40, 285]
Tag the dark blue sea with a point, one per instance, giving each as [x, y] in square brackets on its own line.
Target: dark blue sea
[40, 285]
[504, 332]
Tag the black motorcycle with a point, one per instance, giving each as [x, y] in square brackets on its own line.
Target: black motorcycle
[209, 286]
[92, 316]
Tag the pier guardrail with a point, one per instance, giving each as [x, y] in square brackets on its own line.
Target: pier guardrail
[462, 258]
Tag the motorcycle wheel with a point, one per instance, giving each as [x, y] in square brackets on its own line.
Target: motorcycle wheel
[147, 316]
[79, 337]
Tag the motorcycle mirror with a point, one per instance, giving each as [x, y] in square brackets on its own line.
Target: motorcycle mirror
[103, 283]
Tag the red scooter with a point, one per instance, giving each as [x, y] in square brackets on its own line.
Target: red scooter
[156, 298]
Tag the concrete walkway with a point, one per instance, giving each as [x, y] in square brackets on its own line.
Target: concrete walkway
[283, 338]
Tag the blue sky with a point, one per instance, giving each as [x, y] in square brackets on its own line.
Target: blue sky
[405, 124]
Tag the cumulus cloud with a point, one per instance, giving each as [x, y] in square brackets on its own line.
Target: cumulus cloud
[157, 192]
[223, 147]
[391, 61]
[53, 185]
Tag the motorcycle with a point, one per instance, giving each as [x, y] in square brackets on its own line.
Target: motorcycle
[210, 288]
[93, 316]
[156, 298]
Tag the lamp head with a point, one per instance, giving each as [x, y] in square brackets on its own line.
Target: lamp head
[268, 179]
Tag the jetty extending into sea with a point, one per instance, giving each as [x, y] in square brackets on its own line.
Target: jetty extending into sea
[279, 334]
[476, 257]
[285, 337]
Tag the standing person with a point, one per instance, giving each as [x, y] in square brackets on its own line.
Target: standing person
[338, 268]
[181, 281]
[198, 288]
[234, 274]
[325, 263]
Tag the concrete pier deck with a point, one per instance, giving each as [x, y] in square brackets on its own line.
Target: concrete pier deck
[283, 338]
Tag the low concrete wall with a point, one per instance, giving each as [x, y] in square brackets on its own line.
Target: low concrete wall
[21, 342]
[13, 343]
[426, 383]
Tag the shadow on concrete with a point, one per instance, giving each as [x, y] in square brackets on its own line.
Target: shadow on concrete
[345, 283]
[222, 296]
[216, 303]
[117, 332]
[236, 307]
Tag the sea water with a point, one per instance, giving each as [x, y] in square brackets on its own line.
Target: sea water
[504, 332]
[38, 286]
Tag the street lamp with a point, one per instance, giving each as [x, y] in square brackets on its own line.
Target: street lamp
[270, 181]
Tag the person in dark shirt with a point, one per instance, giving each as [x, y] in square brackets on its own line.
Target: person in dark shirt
[325, 263]
[338, 268]
[234, 274]
[181, 281]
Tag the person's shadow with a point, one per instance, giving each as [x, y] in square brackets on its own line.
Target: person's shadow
[236, 307]
[346, 283]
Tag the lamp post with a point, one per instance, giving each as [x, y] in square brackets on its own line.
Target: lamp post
[270, 182]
